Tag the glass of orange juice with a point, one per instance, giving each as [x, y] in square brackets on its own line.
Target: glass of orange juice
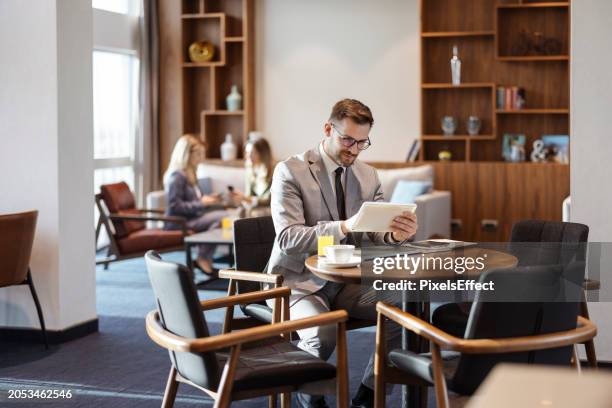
[323, 241]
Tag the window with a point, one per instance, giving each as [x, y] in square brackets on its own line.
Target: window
[115, 79]
[116, 65]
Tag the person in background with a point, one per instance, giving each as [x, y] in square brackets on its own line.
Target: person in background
[184, 198]
[259, 166]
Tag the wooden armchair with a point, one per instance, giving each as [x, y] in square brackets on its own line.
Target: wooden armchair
[250, 363]
[125, 226]
[16, 240]
[538, 332]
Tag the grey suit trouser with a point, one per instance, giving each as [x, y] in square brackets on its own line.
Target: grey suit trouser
[359, 301]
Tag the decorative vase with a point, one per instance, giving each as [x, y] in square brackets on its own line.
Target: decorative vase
[455, 65]
[201, 51]
[445, 155]
[234, 100]
[229, 151]
[449, 125]
[473, 125]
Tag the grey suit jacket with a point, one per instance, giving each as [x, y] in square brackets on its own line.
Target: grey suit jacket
[302, 196]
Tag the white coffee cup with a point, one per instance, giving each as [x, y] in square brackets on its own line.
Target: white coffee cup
[339, 253]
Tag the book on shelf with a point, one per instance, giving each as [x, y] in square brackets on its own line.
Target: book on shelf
[510, 98]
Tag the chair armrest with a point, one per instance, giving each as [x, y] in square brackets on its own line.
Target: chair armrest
[244, 298]
[150, 210]
[138, 217]
[586, 330]
[171, 341]
[251, 276]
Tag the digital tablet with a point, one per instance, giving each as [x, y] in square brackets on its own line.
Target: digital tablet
[377, 216]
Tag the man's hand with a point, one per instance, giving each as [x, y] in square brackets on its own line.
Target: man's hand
[404, 226]
[347, 225]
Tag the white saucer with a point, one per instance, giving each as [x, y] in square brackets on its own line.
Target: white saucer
[354, 261]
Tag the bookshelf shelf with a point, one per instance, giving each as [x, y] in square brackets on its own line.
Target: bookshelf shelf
[442, 34]
[532, 111]
[460, 86]
[223, 113]
[534, 58]
[551, 4]
[457, 138]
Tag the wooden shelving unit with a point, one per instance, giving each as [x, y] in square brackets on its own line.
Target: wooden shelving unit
[483, 186]
[486, 34]
[228, 25]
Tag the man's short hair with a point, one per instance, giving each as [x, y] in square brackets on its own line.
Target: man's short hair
[352, 109]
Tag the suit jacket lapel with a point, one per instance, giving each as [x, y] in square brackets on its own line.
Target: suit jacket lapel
[354, 180]
[317, 168]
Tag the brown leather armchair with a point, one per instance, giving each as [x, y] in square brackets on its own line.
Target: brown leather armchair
[16, 242]
[126, 228]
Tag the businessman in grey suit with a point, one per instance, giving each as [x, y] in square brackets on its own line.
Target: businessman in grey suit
[318, 193]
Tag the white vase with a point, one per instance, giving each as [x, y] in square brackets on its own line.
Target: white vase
[229, 151]
[234, 100]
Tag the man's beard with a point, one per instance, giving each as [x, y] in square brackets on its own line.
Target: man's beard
[347, 159]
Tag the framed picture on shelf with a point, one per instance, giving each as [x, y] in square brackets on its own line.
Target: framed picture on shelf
[513, 147]
[557, 147]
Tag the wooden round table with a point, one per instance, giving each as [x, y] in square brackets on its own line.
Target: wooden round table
[494, 259]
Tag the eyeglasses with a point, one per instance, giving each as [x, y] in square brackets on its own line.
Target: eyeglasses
[348, 141]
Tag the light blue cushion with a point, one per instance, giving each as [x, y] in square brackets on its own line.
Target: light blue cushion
[406, 191]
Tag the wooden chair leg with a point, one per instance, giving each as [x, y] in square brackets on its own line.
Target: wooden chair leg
[272, 401]
[171, 389]
[575, 360]
[286, 400]
[589, 345]
[379, 363]
[439, 380]
[227, 379]
[342, 386]
[41, 319]
[229, 311]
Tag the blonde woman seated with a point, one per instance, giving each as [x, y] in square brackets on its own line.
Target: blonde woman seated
[184, 198]
[259, 168]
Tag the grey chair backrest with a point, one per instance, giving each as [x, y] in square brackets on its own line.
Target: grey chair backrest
[547, 302]
[253, 242]
[180, 313]
[560, 242]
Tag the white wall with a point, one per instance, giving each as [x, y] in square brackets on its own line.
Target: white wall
[46, 117]
[591, 150]
[309, 54]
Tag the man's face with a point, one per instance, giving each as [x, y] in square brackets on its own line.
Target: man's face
[334, 134]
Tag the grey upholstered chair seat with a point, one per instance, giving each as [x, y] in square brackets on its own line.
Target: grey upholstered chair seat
[260, 312]
[277, 364]
[420, 365]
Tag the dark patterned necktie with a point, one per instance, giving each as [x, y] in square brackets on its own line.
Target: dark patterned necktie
[340, 201]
